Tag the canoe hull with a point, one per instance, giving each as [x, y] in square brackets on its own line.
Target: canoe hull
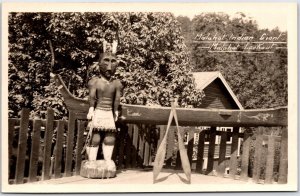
[186, 116]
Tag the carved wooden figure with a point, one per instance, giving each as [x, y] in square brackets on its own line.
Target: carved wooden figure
[104, 100]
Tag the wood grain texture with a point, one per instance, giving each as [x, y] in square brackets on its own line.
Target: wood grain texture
[186, 116]
[121, 153]
[22, 146]
[200, 154]
[70, 143]
[245, 156]
[47, 144]
[270, 160]
[211, 151]
[80, 141]
[35, 149]
[234, 151]
[222, 153]
[135, 145]
[206, 117]
[258, 154]
[58, 149]
[283, 167]
[128, 150]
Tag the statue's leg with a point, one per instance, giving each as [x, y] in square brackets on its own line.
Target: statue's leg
[108, 145]
[93, 147]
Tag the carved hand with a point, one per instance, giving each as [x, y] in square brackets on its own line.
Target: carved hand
[90, 115]
[116, 115]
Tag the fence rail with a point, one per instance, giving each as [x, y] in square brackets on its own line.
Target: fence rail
[45, 149]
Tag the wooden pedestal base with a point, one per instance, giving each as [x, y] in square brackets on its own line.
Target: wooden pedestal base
[98, 169]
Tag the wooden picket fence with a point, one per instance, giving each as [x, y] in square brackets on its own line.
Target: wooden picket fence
[37, 153]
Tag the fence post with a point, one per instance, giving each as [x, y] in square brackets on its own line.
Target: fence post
[11, 134]
[128, 145]
[222, 154]
[135, 145]
[258, 154]
[270, 159]
[201, 141]
[79, 144]
[211, 151]
[70, 143]
[190, 146]
[234, 151]
[121, 148]
[22, 145]
[283, 167]
[35, 148]
[47, 144]
[147, 145]
[245, 155]
[58, 149]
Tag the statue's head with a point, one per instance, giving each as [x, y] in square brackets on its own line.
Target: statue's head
[108, 61]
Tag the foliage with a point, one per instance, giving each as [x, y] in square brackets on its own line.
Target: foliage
[258, 79]
[154, 64]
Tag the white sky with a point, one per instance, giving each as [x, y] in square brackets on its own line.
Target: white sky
[266, 16]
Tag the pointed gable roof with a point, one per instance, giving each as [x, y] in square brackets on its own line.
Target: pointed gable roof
[203, 79]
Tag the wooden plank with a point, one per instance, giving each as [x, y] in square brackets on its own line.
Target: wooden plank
[116, 149]
[283, 167]
[22, 145]
[47, 144]
[178, 164]
[79, 143]
[70, 143]
[186, 116]
[211, 151]
[258, 154]
[222, 154]
[190, 146]
[58, 149]
[234, 151]
[199, 163]
[147, 146]
[154, 136]
[141, 145]
[135, 146]
[11, 135]
[245, 155]
[270, 160]
[128, 150]
[11, 148]
[35, 149]
[121, 148]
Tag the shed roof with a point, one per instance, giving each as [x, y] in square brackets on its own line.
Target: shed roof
[203, 79]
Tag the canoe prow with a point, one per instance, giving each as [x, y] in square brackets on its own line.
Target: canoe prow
[73, 103]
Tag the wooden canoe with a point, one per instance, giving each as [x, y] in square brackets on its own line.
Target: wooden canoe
[186, 116]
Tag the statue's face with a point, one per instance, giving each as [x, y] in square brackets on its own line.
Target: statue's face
[108, 65]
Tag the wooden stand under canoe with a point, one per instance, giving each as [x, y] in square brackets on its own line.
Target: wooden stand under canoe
[98, 169]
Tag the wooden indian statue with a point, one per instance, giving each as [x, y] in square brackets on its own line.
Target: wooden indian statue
[104, 100]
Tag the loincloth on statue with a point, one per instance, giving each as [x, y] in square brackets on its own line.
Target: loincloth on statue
[103, 120]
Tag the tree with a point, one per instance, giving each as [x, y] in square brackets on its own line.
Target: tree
[258, 79]
[154, 63]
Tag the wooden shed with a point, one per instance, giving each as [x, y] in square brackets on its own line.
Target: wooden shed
[218, 95]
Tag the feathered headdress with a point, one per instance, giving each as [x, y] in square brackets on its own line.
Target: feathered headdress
[110, 47]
